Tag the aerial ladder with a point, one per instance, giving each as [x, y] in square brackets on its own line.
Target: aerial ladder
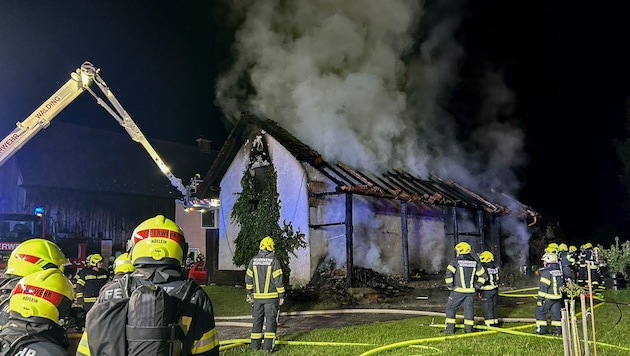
[81, 80]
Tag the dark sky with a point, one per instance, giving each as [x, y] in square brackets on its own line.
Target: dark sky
[566, 63]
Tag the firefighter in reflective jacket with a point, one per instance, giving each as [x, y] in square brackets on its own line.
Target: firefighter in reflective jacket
[264, 282]
[489, 291]
[463, 275]
[549, 296]
[157, 252]
[90, 281]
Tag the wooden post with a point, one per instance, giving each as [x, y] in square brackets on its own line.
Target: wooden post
[584, 324]
[566, 333]
[590, 292]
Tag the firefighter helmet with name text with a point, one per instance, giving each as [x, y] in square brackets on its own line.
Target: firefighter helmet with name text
[35, 255]
[158, 240]
[45, 294]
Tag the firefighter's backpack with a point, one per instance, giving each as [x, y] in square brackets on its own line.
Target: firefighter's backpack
[10, 344]
[143, 322]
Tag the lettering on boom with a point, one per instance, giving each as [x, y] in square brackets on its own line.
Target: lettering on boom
[9, 141]
[49, 105]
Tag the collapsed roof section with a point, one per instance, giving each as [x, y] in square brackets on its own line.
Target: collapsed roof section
[396, 184]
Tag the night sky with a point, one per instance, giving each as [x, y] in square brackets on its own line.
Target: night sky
[565, 63]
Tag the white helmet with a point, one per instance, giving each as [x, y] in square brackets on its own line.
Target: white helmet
[549, 257]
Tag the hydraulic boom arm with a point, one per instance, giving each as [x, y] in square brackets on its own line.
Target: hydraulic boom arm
[80, 81]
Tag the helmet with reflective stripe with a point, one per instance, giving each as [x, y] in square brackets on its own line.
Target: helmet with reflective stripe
[35, 255]
[463, 248]
[267, 244]
[550, 257]
[122, 264]
[486, 256]
[157, 240]
[45, 294]
[95, 259]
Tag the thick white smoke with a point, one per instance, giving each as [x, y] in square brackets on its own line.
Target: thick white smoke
[366, 82]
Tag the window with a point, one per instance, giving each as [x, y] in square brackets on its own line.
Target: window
[209, 219]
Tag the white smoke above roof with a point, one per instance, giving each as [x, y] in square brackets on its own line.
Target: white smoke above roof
[365, 82]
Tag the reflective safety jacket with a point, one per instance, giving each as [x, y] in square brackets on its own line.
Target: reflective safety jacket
[465, 274]
[264, 279]
[89, 283]
[493, 276]
[550, 282]
[196, 318]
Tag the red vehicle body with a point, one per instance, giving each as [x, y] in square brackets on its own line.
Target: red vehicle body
[198, 272]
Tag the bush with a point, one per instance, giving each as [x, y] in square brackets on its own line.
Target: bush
[617, 257]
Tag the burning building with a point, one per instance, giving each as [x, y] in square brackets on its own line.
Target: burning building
[392, 222]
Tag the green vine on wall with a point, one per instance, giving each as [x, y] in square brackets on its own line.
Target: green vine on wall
[257, 211]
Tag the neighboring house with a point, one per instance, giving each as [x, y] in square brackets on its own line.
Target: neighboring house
[98, 184]
[392, 222]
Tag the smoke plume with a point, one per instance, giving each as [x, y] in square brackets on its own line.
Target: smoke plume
[369, 82]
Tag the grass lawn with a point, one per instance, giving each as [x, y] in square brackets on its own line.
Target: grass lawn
[416, 336]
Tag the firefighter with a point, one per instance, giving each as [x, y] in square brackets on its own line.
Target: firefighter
[90, 281]
[157, 250]
[567, 263]
[489, 291]
[122, 266]
[30, 256]
[587, 259]
[463, 276]
[549, 296]
[33, 327]
[264, 282]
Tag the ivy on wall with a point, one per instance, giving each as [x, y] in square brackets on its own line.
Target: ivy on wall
[257, 211]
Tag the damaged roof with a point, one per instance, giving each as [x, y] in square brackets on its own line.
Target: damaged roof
[395, 184]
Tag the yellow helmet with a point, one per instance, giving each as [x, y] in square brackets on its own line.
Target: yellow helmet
[486, 256]
[267, 244]
[563, 247]
[550, 257]
[122, 264]
[587, 246]
[45, 294]
[157, 240]
[463, 248]
[35, 255]
[552, 247]
[572, 248]
[95, 259]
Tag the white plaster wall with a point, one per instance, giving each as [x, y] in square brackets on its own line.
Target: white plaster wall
[292, 189]
[230, 184]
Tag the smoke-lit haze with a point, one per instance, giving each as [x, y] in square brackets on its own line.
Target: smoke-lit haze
[366, 82]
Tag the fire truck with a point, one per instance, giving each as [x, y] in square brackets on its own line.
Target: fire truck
[16, 228]
[81, 80]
